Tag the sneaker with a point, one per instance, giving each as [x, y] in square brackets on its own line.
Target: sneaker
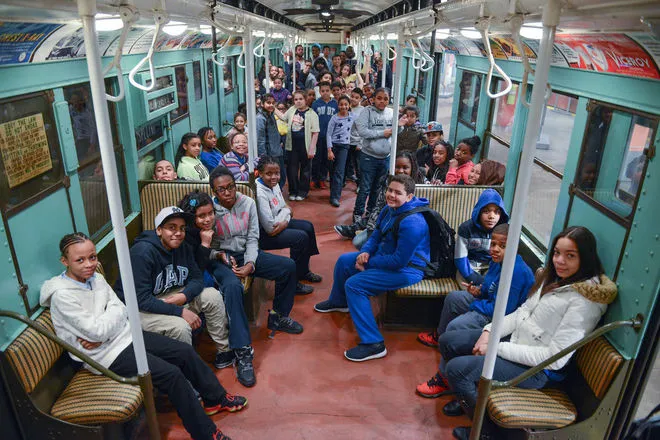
[434, 387]
[326, 306]
[334, 202]
[322, 185]
[229, 403]
[357, 219]
[352, 178]
[220, 436]
[366, 352]
[303, 289]
[300, 198]
[277, 322]
[293, 198]
[313, 277]
[345, 231]
[223, 360]
[244, 367]
[430, 339]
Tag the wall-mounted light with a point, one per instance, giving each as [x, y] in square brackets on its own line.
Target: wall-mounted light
[471, 33]
[326, 13]
[175, 28]
[107, 23]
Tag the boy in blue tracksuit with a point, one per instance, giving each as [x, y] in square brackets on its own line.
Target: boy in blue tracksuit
[471, 254]
[385, 263]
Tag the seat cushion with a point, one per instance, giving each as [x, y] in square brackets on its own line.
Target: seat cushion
[517, 408]
[599, 361]
[430, 287]
[91, 399]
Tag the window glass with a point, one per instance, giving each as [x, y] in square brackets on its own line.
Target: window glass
[197, 80]
[446, 82]
[503, 110]
[181, 93]
[210, 78]
[227, 75]
[30, 161]
[613, 159]
[497, 151]
[542, 201]
[470, 88]
[556, 131]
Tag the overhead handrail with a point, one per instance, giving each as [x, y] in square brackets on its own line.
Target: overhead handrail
[483, 26]
[160, 17]
[390, 49]
[129, 15]
[242, 55]
[258, 50]
[416, 56]
[223, 59]
[430, 62]
[516, 23]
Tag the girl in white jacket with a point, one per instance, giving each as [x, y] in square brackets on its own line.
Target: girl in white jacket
[566, 303]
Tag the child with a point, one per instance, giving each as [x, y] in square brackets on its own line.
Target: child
[239, 125]
[337, 88]
[473, 308]
[88, 315]
[488, 172]
[303, 126]
[325, 107]
[368, 98]
[164, 170]
[268, 136]
[189, 167]
[434, 135]
[323, 76]
[375, 127]
[338, 138]
[410, 136]
[280, 94]
[461, 164]
[237, 159]
[385, 263]
[278, 230]
[437, 173]
[355, 142]
[311, 97]
[210, 155]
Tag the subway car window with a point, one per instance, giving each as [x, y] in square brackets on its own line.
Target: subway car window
[544, 191]
[197, 80]
[469, 105]
[181, 92]
[30, 159]
[613, 158]
[503, 111]
[497, 150]
[556, 130]
[210, 78]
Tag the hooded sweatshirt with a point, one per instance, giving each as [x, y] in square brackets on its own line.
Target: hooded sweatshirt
[157, 271]
[90, 311]
[370, 126]
[473, 241]
[389, 253]
[545, 325]
[191, 168]
[237, 229]
[521, 281]
[271, 206]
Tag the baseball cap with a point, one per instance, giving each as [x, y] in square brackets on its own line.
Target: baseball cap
[171, 212]
[433, 126]
[316, 45]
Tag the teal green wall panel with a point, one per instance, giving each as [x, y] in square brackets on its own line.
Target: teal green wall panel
[9, 296]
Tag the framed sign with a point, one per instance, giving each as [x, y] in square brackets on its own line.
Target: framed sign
[24, 148]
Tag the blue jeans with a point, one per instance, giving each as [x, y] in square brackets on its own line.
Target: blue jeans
[299, 235]
[320, 162]
[372, 170]
[456, 313]
[463, 370]
[338, 167]
[352, 168]
[353, 288]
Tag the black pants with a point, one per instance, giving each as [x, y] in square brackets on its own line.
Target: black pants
[320, 163]
[172, 362]
[352, 167]
[299, 235]
[298, 169]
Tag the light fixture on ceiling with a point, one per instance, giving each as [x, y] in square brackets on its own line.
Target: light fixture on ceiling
[471, 33]
[326, 13]
[175, 28]
[205, 29]
[107, 23]
[533, 31]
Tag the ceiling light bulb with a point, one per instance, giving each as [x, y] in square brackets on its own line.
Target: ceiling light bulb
[205, 29]
[326, 13]
[175, 28]
[533, 33]
[471, 33]
[107, 23]
[391, 36]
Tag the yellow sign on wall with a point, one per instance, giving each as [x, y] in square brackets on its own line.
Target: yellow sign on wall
[24, 147]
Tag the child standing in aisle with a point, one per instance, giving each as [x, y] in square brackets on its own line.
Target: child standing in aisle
[189, 167]
[338, 138]
[239, 126]
[325, 107]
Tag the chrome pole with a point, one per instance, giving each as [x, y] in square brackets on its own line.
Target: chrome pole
[397, 75]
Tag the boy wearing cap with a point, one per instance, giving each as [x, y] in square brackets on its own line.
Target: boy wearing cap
[170, 287]
[424, 155]
[411, 136]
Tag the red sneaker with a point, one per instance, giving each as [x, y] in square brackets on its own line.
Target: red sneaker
[430, 339]
[220, 436]
[435, 387]
[322, 185]
[228, 403]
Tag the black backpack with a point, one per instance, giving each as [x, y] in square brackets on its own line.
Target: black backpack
[647, 428]
[443, 241]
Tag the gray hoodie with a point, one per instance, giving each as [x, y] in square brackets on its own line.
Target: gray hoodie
[272, 207]
[93, 313]
[370, 126]
[237, 229]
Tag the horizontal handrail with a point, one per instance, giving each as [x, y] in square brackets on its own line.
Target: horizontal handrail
[636, 323]
[68, 347]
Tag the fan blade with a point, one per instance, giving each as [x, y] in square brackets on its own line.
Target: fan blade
[351, 13]
[325, 2]
[300, 11]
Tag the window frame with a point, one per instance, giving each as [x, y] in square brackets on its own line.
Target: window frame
[459, 119]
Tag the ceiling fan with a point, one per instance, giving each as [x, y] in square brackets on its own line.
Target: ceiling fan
[326, 12]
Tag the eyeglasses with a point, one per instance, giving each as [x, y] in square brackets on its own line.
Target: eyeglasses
[225, 189]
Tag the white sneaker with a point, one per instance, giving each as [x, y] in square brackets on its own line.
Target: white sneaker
[300, 198]
[293, 198]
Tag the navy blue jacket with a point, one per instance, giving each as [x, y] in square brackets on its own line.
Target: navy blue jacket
[325, 110]
[268, 137]
[521, 282]
[473, 241]
[157, 270]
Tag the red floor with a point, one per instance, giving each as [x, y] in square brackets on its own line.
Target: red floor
[306, 389]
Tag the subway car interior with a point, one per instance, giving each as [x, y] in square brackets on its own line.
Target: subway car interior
[560, 97]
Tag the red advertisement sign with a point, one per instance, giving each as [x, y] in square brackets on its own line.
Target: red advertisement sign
[611, 53]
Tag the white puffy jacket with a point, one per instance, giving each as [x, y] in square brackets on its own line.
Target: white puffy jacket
[545, 325]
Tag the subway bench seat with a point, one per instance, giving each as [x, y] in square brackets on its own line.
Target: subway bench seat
[53, 396]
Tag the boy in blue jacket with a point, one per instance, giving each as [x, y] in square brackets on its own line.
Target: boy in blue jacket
[385, 263]
[170, 286]
[473, 308]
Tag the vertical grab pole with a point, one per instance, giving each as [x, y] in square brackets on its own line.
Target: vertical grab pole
[293, 66]
[551, 13]
[397, 74]
[250, 98]
[383, 56]
[87, 11]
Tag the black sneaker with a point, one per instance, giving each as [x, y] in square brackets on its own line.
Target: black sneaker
[244, 367]
[345, 231]
[224, 359]
[334, 202]
[365, 352]
[326, 307]
[313, 277]
[220, 436]
[357, 219]
[303, 289]
[277, 322]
